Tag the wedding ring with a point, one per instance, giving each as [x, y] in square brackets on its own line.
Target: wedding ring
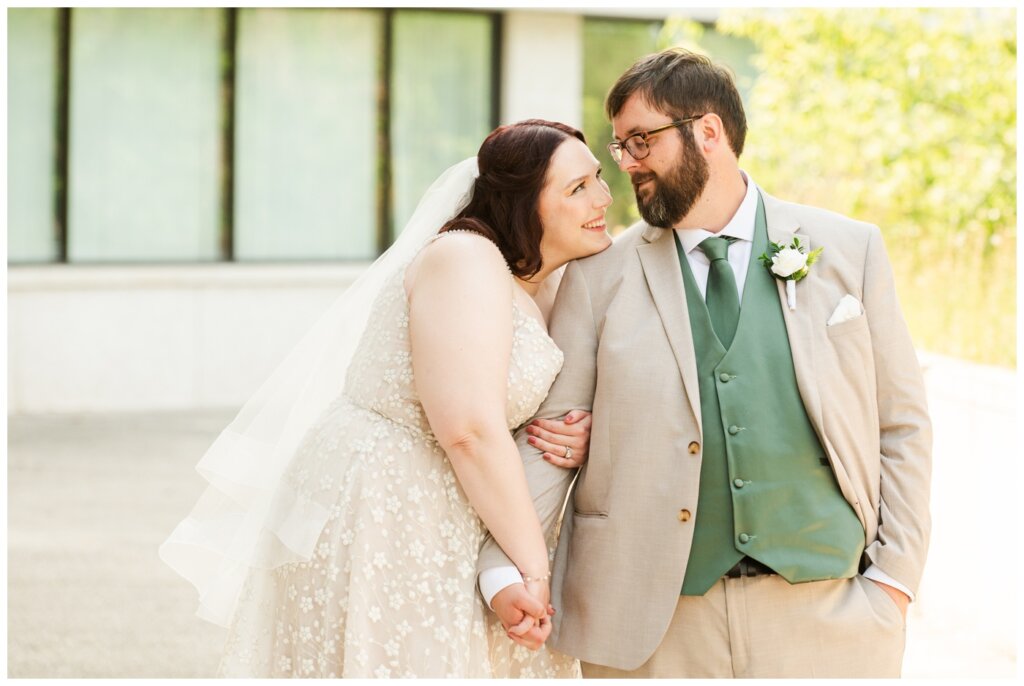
[568, 453]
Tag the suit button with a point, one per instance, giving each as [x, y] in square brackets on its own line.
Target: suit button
[724, 378]
[733, 430]
[744, 538]
[738, 483]
[694, 447]
[684, 515]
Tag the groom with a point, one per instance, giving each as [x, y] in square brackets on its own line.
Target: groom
[755, 503]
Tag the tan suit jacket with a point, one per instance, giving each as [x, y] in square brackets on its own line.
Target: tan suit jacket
[621, 319]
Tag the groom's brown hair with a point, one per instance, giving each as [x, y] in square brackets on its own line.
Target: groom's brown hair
[682, 84]
[514, 161]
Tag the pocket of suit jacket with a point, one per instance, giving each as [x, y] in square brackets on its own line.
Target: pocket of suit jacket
[850, 326]
[590, 515]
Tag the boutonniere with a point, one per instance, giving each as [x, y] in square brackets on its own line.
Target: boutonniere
[789, 264]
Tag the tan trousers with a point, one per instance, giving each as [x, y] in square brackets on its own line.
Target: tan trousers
[764, 627]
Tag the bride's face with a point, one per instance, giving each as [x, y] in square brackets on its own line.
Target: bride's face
[572, 205]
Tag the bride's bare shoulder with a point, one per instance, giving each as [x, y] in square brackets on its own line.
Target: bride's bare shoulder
[458, 258]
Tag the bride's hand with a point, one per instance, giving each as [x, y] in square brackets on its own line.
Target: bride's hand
[565, 442]
[534, 630]
[542, 592]
[523, 615]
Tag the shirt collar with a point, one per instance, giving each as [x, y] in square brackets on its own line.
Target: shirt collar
[741, 226]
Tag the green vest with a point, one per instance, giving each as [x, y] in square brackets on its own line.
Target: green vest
[766, 487]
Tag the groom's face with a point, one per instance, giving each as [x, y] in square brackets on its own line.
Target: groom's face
[668, 181]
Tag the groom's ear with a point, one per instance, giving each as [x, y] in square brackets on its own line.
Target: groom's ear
[710, 134]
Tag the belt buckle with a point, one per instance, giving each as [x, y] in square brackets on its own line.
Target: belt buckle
[747, 566]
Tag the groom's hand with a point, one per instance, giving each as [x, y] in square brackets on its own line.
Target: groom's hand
[525, 618]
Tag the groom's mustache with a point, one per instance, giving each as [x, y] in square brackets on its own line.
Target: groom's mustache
[641, 177]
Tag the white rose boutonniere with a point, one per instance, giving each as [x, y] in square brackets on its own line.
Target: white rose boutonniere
[787, 262]
[790, 264]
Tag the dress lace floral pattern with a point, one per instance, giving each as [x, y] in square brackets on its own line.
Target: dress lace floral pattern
[391, 588]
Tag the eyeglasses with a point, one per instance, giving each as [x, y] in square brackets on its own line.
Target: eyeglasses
[637, 146]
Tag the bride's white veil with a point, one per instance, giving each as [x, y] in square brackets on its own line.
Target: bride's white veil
[244, 520]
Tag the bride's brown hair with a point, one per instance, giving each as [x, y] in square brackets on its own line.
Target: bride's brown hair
[513, 161]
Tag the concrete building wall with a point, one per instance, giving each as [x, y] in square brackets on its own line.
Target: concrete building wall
[102, 339]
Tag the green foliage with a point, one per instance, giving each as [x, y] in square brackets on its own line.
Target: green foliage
[905, 118]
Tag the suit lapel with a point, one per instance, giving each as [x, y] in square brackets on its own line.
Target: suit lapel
[799, 323]
[665, 279]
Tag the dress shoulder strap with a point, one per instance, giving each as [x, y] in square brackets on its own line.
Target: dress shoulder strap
[451, 231]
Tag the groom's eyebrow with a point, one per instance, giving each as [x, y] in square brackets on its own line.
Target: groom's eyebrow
[629, 132]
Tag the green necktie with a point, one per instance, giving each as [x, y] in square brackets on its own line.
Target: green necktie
[721, 296]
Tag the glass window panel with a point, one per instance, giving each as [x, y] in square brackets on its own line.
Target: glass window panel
[144, 134]
[31, 134]
[306, 134]
[440, 98]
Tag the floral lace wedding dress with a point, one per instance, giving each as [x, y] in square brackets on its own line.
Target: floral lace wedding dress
[391, 588]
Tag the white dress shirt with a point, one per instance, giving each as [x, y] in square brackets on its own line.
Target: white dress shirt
[740, 227]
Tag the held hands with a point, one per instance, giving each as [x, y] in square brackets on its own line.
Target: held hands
[524, 609]
[565, 442]
[525, 613]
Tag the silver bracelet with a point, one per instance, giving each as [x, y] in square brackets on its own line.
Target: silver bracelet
[528, 579]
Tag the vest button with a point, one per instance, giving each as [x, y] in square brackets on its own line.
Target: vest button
[738, 483]
[724, 378]
[733, 430]
[744, 538]
[694, 447]
[684, 515]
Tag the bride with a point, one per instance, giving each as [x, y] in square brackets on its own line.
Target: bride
[340, 532]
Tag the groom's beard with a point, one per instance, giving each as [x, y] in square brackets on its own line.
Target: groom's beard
[671, 197]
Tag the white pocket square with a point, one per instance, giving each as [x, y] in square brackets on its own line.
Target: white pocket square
[848, 308]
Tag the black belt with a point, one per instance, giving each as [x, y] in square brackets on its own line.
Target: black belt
[748, 566]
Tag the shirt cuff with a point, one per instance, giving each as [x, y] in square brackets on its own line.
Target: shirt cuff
[495, 579]
[876, 574]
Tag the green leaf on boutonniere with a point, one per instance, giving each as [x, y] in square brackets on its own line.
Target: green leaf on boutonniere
[766, 258]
